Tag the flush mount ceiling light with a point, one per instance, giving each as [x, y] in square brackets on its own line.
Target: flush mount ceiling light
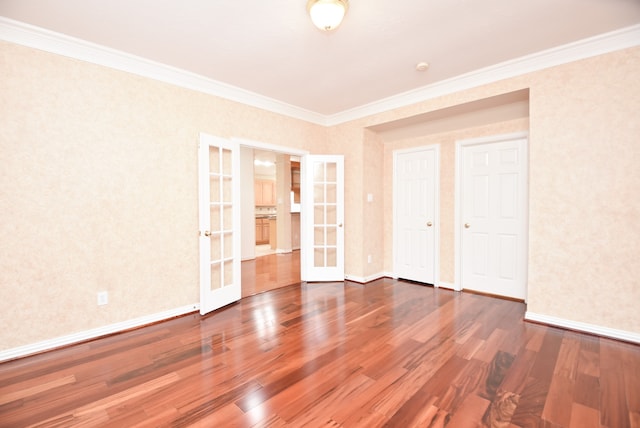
[327, 14]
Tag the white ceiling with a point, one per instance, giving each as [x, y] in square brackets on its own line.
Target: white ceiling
[271, 48]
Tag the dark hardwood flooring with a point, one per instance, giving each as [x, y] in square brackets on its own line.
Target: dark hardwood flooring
[388, 353]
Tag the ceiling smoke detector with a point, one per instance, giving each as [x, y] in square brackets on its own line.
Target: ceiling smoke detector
[422, 66]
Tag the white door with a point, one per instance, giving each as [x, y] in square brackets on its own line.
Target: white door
[416, 184]
[219, 218]
[494, 217]
[322, 218]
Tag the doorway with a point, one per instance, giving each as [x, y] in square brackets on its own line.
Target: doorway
[492, 215]
[270, 218]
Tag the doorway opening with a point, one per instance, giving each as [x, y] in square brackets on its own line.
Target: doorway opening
[270, 225]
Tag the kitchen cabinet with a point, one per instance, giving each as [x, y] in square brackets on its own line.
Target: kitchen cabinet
[265, 193]
[262, 231]
[295, 181]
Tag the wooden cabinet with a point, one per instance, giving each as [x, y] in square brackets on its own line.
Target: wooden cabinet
[262, 231]
[265, 191]
[295, 181]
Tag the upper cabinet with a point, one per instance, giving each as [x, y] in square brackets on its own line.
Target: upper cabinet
[265, 191]
[295, 181]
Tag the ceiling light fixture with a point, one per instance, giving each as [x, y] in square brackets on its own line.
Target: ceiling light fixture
[327, 14]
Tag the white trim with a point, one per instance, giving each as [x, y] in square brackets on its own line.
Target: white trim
[39, 38]
[628, 336]
[601, 44]
[269, 147]
[50, 41]
[459, 167]
[82, 336]
[436, 208]
[364, 279]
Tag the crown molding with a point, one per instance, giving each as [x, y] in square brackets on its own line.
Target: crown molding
[50, 41]
[39, 38]
[604, 43]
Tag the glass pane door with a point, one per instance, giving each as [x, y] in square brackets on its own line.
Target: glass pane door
[219, 223]
[323, 217]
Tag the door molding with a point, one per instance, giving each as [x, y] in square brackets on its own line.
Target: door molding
[436, 208]
[460, 145]
[259, 145]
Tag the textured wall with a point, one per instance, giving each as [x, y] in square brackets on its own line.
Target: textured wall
[585, 192]
[98, 190]
[584, 236]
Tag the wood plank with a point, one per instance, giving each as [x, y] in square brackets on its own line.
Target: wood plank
[389, 353]
[584, 417]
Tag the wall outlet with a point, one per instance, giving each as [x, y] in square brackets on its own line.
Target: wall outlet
[369, 197]
[103, 298]
[369, 258]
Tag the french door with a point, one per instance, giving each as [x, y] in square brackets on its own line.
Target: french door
[416, 219]
[322, 218]
[219, 221]
[493, 218]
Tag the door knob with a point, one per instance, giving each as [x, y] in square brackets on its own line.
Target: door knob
[207, 233]
[467, 225]
[340, 225]
[429, 224]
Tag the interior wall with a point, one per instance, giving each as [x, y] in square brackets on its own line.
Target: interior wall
[98, 190]
[584, 181]
[247, 204]
[372, 215]
[347, 141]
[447, 143]
[584, 192]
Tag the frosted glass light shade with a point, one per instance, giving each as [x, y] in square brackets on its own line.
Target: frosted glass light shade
[327, 14]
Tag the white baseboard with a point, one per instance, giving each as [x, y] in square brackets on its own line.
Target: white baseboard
[364, 279]
[627, 336]
[70, 339]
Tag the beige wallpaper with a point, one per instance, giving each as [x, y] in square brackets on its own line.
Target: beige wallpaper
[585, 192]
[98, 189]
[584, 236]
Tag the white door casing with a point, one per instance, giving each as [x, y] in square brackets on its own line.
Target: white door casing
[219, 222]
[322, 218]
[416, 229]
[492, 224]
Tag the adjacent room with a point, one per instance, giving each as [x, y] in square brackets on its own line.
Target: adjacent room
[320, 213]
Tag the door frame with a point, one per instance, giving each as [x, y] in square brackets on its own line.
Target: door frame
[436, 208]
[459, 176]
[259, 145]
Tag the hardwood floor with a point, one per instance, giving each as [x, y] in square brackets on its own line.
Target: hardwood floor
[388, 353]
[269, 272]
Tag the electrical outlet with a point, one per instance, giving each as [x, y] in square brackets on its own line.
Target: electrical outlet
[103, 298]
[369, 258]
